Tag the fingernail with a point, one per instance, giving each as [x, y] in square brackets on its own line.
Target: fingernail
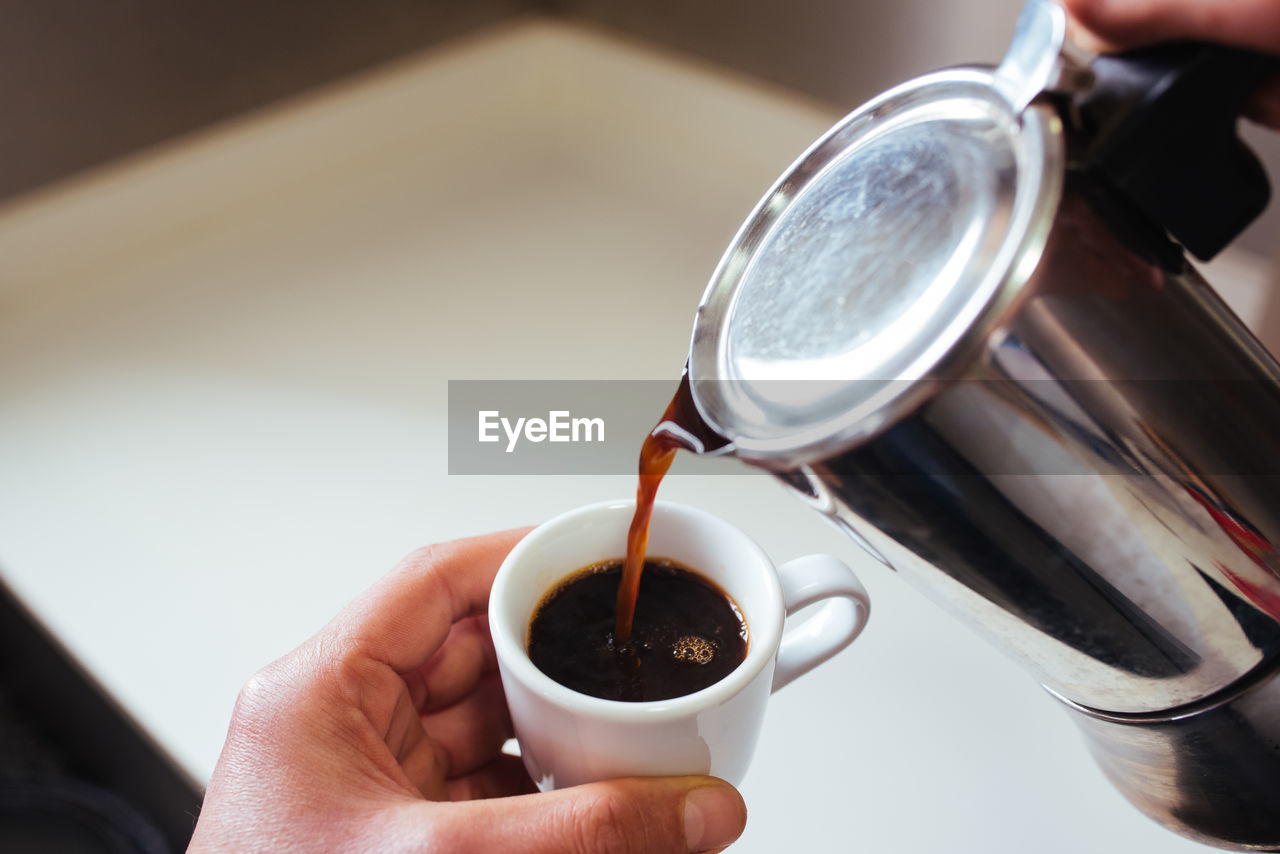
[714, 816]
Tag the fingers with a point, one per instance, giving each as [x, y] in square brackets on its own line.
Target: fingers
[453, 671]
[471, 733]
[405, 617]
[501, 778]
[454, 742]
[1264, 105]
[1118, 24]
[655, 815]
[1129, 23]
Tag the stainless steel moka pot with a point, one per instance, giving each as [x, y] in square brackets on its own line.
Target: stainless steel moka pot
[962, 326]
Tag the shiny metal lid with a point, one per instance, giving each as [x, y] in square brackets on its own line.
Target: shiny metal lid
[876, 265]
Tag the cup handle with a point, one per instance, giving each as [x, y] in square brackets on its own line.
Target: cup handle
[830, 628]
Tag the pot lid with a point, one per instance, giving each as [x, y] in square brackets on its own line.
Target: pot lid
[885, 253]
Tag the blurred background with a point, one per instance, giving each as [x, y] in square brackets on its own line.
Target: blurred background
[243, 248]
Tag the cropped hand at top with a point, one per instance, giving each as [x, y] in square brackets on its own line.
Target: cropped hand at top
[384, 733]
[1243, 23]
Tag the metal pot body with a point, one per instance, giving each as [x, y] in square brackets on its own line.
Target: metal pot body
[957, 326]
[1097, 491]
[1208, 771]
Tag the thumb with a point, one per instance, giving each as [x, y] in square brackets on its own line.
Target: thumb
[636, 815]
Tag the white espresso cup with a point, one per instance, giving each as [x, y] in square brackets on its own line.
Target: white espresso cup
[567, 738]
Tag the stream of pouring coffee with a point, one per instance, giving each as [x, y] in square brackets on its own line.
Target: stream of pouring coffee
[680, 427]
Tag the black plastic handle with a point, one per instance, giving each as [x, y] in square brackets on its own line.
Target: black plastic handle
[1160, 125]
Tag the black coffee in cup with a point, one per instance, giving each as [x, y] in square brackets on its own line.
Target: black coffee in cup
[687, 633]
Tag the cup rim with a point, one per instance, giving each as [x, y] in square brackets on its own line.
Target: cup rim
[762, 646]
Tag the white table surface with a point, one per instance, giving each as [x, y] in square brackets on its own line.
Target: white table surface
[222, 376]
